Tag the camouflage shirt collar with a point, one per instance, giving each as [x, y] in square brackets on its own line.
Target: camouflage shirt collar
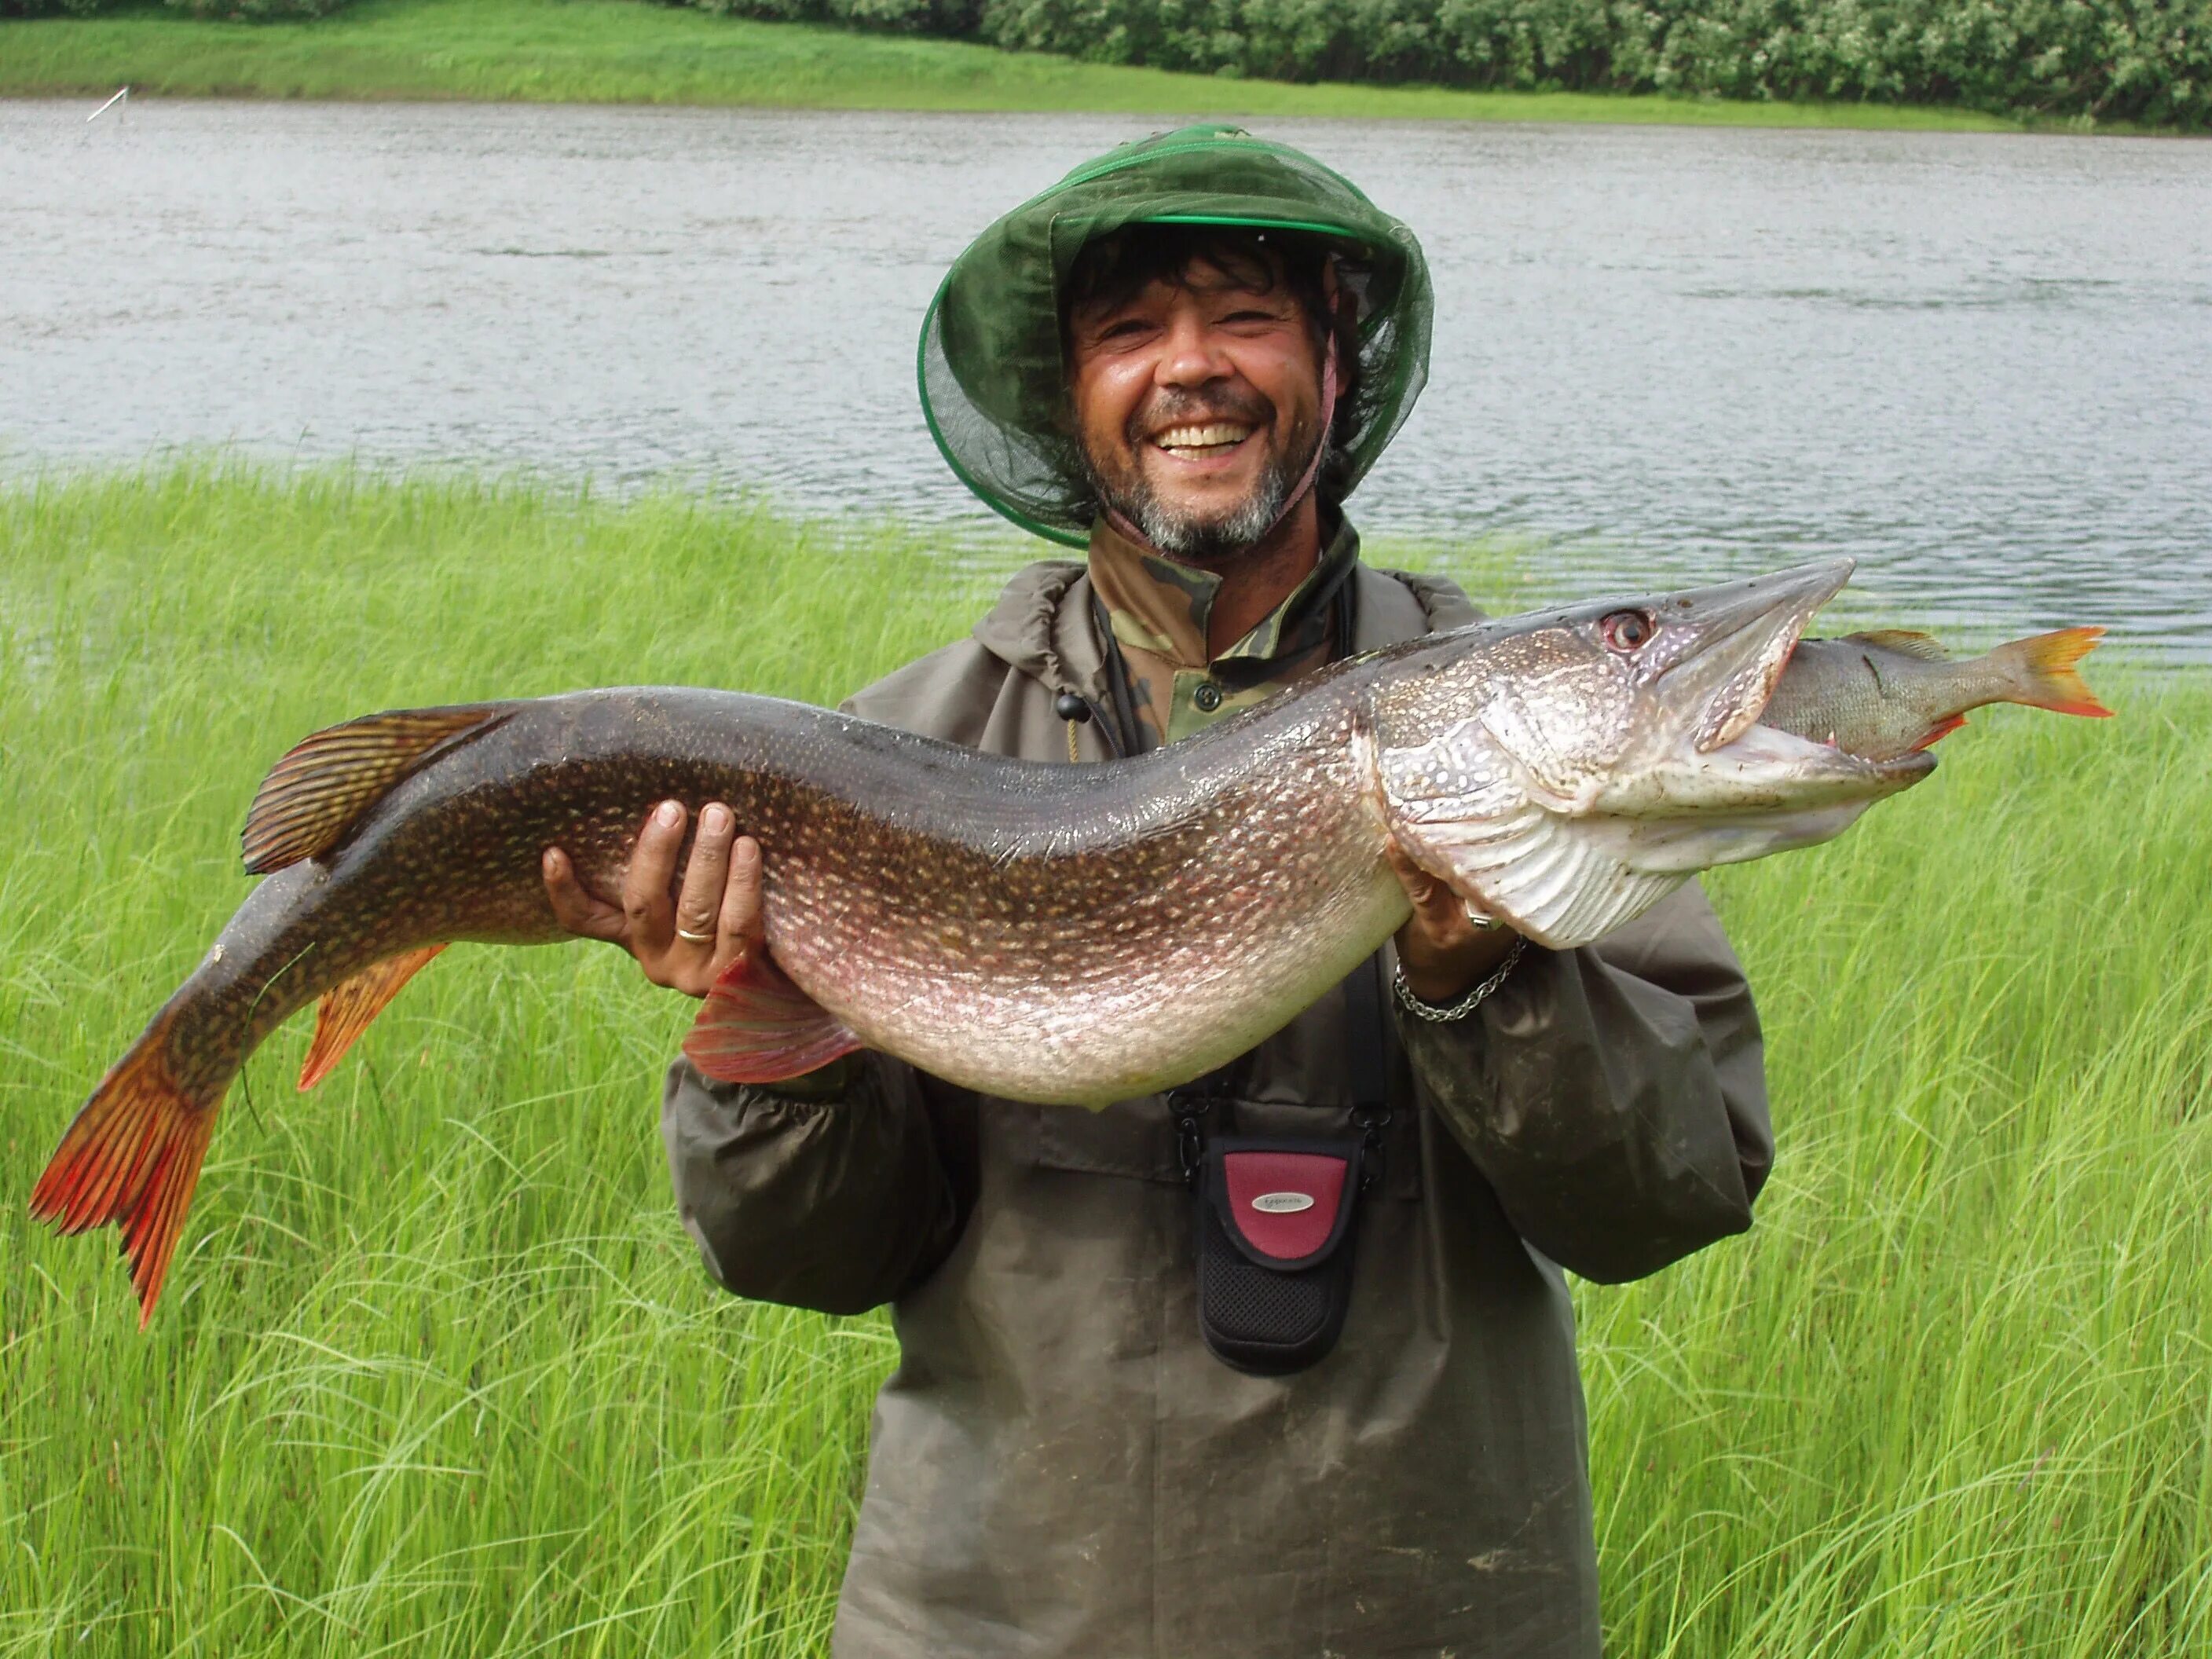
[1157, 606]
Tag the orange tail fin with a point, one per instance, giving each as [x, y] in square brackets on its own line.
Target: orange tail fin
[2044, 672]
[132, 1157]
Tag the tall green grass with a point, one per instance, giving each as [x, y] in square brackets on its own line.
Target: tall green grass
[437, 1372]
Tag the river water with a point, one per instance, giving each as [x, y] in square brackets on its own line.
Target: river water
[1982, 365]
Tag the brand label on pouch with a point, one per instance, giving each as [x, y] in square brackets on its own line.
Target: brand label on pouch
[1283, 1203]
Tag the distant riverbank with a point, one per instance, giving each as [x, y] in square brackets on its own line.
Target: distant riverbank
[620, 52]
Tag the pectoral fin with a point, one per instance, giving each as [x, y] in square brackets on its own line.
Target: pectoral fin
[346, 1009]
[758, 1027]
[1561, 885]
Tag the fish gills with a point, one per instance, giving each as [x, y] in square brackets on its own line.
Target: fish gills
[132, 1157]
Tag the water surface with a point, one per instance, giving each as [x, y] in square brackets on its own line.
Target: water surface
[1980, 364]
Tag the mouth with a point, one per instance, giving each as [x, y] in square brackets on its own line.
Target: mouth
[1202, 440]
[1746, 632]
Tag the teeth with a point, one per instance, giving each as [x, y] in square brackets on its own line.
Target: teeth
[1202, 437]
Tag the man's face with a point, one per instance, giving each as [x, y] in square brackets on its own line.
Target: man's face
[1197, 405]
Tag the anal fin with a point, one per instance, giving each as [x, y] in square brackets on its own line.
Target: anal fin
[1942, 728]
[346, 1009]
[758, 1027]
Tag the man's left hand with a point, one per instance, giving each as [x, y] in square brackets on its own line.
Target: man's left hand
[1442, 953]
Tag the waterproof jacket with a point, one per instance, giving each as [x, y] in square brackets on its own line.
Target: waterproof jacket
[1059, 1466]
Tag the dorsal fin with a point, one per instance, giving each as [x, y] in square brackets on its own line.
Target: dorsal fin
[1905, 643]
[321, 788]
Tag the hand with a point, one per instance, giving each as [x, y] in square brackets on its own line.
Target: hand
[720, 899]
[1442, 952]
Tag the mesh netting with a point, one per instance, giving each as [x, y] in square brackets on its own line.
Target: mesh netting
[1249, 1303]
[992, 384]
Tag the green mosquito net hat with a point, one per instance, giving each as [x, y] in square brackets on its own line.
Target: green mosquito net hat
[994, 386]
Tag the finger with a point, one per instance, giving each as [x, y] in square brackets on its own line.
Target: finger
[645, 886]
[1421, 888]
[575, 907]
[699, 903]
[742, 928]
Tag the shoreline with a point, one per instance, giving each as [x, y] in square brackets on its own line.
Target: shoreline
[972, 556]
[623, 52]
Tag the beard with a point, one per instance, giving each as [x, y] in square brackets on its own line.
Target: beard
[1196, 536]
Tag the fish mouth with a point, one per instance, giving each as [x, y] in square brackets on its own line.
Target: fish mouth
[1748, 630]
[1731, 788]
[1738, 637]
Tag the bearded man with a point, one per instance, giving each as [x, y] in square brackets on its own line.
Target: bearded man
[1182, 358]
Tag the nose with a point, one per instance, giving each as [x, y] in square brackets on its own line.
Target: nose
[1193, 354]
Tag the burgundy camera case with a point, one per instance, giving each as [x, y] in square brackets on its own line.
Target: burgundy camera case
[1275, 1226]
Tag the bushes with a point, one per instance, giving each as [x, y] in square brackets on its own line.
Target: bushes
[2147, 60]
[2139, 60]
[956, 18]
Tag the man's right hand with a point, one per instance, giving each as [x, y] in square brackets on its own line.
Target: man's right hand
[714, 920]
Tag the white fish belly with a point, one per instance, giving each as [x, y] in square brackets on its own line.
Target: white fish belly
[1092, 1018]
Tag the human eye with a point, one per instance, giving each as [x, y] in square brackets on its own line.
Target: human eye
[1252, 317]
[1127, 329]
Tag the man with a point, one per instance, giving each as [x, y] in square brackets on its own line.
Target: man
[1184, 356]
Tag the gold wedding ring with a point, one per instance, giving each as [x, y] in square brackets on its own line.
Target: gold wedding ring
[683, 931]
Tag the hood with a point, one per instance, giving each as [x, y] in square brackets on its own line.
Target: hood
[989, 366]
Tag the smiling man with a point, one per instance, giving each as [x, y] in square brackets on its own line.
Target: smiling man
[1126, 1424]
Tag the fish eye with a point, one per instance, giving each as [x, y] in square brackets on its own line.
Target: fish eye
[1628, 630]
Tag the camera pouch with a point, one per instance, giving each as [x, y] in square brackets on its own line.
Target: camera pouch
[1275, 1222]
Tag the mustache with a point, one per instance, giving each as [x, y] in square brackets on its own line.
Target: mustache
[1163, 410]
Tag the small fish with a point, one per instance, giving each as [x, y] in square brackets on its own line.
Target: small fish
[1886, 693]
[1070, 934]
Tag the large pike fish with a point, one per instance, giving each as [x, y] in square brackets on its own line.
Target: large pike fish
[1039, 931]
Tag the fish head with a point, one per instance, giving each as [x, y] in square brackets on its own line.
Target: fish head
[1563, 771]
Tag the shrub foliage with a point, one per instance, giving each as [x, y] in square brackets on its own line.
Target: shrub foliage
[2146, 61]
[2135, 60]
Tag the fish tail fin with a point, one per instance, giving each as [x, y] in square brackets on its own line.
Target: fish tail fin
[132, 1157]
[346, 1009]
[2045, 672]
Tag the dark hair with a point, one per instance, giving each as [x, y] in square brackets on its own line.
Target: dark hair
[1115, 268]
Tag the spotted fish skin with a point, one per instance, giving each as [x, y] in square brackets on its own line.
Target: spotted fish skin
[1056, 933]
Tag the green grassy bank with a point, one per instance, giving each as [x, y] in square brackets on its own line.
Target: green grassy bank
[437, 1372]
[622, 51]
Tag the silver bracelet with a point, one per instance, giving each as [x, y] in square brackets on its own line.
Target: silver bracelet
[1466, 1005]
